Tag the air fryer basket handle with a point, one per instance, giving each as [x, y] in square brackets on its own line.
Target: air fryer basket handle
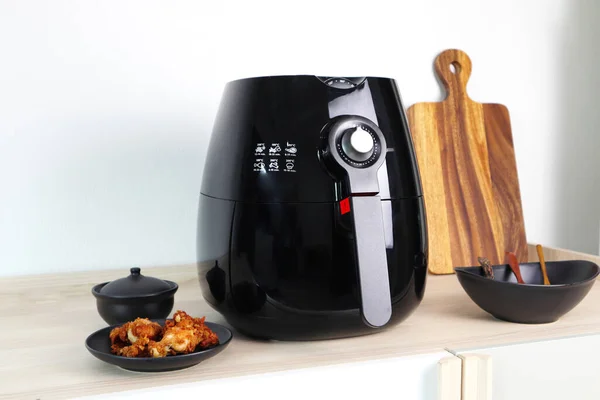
[359, 178]
[373, 276]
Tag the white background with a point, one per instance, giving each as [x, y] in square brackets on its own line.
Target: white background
[106, 108]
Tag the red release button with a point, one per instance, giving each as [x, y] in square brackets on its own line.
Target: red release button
[345, 206]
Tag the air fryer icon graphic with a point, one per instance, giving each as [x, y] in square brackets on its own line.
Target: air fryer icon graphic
[260, 148]
[274, 165]
[290, 165]
[275, 149]
[259, 164]
[291, 148]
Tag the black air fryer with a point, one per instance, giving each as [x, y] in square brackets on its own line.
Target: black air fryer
[311, 220]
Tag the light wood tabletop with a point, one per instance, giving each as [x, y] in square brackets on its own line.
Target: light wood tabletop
[46, 319]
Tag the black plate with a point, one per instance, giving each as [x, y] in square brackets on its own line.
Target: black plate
[532, 302]
[98, 343]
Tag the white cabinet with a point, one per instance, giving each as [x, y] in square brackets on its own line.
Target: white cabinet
[410, 377]
[550, 369]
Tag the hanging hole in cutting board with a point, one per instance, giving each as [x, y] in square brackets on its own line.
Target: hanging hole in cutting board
[455, 67]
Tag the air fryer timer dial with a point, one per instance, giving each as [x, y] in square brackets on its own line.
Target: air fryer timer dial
[358, 145]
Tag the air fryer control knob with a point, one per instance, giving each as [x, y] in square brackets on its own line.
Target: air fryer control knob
[358, 144]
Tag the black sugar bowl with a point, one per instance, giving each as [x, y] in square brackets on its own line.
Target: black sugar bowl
[135, 296]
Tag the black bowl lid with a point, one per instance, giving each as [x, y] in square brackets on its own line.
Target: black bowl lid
[134, 285]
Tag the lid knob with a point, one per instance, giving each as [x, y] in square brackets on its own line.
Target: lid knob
[135, 284]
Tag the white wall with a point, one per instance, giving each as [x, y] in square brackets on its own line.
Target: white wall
[106, 108]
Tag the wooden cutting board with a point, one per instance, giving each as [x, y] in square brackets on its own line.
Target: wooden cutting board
[469, 174]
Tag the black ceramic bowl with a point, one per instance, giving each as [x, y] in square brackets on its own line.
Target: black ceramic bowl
[532, 302]
[135, 296]
[98, 344]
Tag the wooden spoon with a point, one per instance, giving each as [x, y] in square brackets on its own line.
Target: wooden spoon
[514, 265]
[540, 251]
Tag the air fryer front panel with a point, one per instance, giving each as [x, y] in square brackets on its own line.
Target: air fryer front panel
[288, 271]
[268, 131]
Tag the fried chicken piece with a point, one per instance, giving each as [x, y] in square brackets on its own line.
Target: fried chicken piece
[131, 338]
[118, 335]
[143, 338]
[205, 336]
[143, 328]
[138, 349]
[182, 335]
[130, 332]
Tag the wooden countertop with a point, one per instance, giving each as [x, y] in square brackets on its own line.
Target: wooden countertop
[46, 319]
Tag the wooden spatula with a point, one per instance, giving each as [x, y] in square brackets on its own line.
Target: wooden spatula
[540, 251]
[468, 169]
[513, 263]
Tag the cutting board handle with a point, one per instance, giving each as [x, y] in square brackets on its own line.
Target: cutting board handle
[453, 68]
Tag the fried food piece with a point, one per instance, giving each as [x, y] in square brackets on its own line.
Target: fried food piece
[143, 338]
[130, 332]
[205, 336]
[182, 335]
[131, 338]
[118, 335]
[138, 349]
[176, 340]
